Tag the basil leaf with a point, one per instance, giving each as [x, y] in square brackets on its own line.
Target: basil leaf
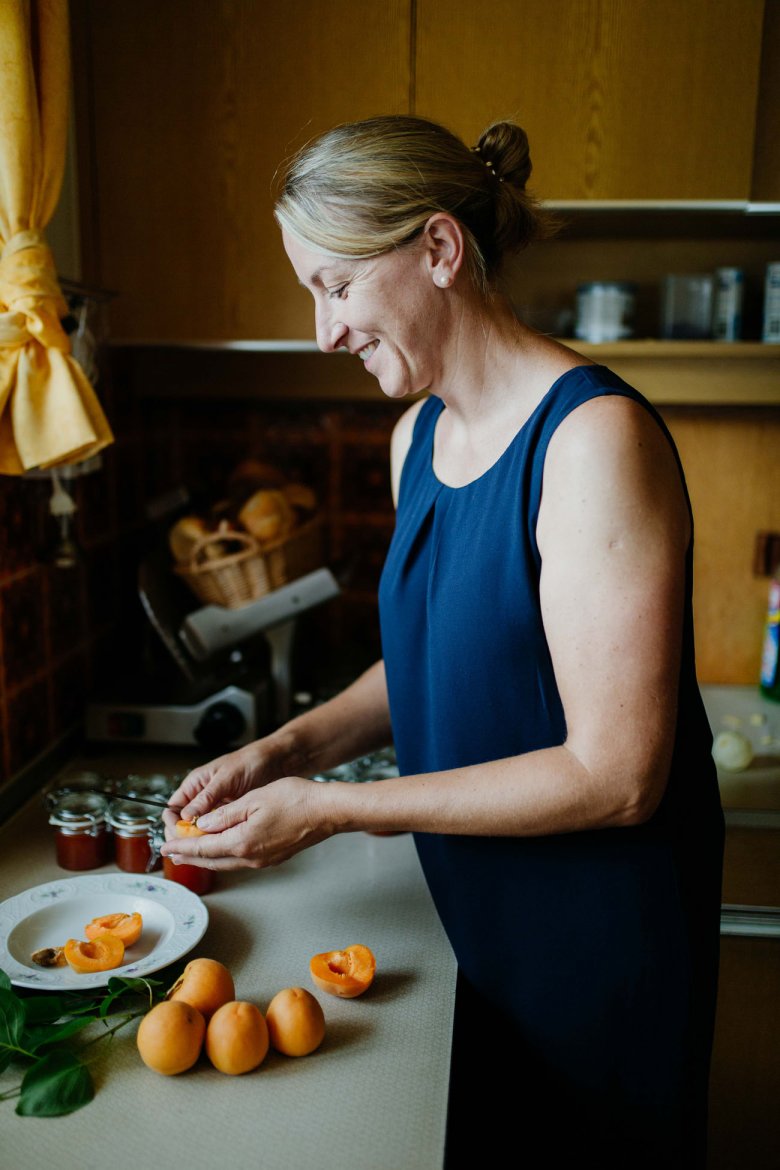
[5, 981]
[36, 1038]
[11, 1018]
[56, 1084]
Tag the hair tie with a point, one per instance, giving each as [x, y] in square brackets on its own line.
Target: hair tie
[488, 163]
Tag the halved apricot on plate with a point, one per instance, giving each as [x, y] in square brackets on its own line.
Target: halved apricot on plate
[346, 973]
[98, 954]
[128, 927]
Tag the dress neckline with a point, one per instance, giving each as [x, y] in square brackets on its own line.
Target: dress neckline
[515, 437]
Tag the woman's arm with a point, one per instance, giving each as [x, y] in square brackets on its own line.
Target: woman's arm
[353, 723]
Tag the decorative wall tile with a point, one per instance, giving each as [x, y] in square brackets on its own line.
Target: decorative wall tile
[29, 725]
[70, 687]
[23, 628]
[65, 601]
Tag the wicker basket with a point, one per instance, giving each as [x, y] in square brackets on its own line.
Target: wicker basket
[248, 573]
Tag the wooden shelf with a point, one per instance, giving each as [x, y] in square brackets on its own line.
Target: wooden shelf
[681, 373]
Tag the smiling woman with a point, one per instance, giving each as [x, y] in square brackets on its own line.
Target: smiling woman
[538, 677]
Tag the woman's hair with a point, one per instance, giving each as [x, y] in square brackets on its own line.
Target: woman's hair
[366, 187]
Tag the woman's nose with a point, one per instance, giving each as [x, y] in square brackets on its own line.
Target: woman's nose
[331, 332]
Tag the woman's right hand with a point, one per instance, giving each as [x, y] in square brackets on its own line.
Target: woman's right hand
[221, 781]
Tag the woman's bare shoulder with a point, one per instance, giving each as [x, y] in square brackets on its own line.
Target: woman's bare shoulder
[400, 443]
[610, 456]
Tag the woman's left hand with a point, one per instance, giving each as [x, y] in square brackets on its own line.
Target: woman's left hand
[262, 828]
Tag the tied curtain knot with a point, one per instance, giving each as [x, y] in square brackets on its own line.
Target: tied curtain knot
[31, 302]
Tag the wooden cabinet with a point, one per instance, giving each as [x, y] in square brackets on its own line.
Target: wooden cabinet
[187, 108]
[192, 106]
[622, 99]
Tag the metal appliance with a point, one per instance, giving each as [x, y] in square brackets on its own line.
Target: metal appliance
[227, 675]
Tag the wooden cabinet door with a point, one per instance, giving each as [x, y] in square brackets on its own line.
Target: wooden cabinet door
[194, 106]
[621, 99]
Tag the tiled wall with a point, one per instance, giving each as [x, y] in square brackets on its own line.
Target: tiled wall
[66, 633]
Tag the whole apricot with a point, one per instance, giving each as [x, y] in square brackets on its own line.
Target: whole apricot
[170, 1037]
[296, 1022]
[237, 1037]
[344, 973]
[205, 984]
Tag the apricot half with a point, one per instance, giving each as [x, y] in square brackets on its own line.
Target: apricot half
[205, 984]
[237, 1038]
[102, 953]
[296, 1022]
[170, 1037]
[188, 829]
[128, 927]
[346, 973]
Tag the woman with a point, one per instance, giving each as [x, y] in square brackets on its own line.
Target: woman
[538, 677]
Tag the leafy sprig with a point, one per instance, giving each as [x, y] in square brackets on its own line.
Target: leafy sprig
[35, 1032]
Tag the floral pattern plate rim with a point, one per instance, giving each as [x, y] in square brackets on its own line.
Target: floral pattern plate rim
[175, 920]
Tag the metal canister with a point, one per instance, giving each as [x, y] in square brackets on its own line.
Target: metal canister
[727, 313]
[771, 331]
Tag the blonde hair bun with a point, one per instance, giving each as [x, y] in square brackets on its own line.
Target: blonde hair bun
[364, 188]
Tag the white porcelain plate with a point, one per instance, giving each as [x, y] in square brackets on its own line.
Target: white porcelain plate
[174, 920]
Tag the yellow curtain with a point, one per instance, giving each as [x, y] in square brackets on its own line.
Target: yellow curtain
[49, 413]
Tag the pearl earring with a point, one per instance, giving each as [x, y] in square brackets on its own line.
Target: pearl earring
[441, 280]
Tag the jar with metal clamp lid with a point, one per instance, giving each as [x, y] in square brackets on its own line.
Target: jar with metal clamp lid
[133, 825]
[196, 878]
[81, 837]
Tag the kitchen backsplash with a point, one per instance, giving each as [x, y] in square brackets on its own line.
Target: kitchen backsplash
[64, 630]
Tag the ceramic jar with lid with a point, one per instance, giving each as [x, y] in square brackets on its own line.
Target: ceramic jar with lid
[81, 837]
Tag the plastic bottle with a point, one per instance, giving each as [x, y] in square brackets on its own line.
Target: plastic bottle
[770, 658]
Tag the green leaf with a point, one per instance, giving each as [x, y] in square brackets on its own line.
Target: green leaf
[5, 981]
[5, 1058]
[44, 1009]
[56, 1084]
[11, 1018]
[36, 1038]
[118, 986]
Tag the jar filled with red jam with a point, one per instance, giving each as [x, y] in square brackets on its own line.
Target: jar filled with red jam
[194, 877]
[134, 826]
[81, 837]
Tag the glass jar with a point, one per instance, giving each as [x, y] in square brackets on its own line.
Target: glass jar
[134, 826]
[156, 785]
[194, 877]
[73, 782]
[81, 838]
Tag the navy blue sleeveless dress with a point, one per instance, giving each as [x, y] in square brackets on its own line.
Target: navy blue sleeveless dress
[595, 951]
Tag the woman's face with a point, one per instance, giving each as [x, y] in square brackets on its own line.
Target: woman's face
[386, 310]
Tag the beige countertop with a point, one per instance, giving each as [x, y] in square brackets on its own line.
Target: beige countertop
[373, 1096]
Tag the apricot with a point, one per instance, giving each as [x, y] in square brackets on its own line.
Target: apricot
[237, 1037]
[128, 927]
[170, 1037]
[188, 829]
[296, 1022]
[102, 953]
[205, 984]
[346, 973]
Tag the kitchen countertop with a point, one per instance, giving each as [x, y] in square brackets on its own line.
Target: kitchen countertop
[374, 1095]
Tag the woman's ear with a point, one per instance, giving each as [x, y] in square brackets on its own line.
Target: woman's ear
[444, 245]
